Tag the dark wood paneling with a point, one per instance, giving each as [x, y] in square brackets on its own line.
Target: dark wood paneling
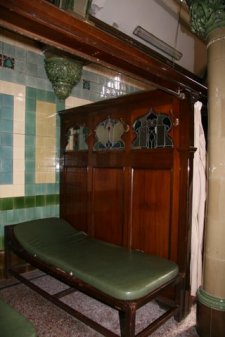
[151, 211]
[80, 160]
[108, 204]
[74, 197]
[160, 158]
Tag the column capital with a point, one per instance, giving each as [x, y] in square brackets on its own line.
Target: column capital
[206, 15]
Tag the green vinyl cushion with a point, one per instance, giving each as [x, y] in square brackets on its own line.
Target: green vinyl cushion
[119, 272]
[13, 324]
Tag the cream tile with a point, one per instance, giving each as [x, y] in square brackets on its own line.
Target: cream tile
[7, 191]
[18, 153]
[18, 141]
[72, 102]
[19, 176]
[18, 126]
[20, 166]
[45, 141]
[20, 113]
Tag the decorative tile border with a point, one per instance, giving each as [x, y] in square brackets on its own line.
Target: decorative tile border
[18, 92]
[8, 62]
[28, 201]
[32, 97]
[6, 139]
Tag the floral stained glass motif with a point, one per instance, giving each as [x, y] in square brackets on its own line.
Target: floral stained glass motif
[76, 138]
[152, 131]
[108, 135]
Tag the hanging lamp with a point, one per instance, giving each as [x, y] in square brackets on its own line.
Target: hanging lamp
[63, 71]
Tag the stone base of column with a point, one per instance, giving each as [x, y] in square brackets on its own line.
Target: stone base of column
[210, 315]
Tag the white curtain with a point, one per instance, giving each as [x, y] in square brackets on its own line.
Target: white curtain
[198, 201]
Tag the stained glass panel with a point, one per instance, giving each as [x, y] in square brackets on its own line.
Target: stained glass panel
[152, 131]
[108, 135]
[76, 138]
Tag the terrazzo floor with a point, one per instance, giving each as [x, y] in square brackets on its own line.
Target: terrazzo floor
[51, 321]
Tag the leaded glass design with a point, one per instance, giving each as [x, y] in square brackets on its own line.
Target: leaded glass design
[76, 138]
[108, 135]
[152, 131]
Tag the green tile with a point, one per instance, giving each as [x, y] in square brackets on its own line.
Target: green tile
[30, 201]
[29, 151]
[57, 198]
[40, 189]
[50, 189]
[30, 213]
[30, 128]
[51, 97]
[30, 166]
[20, 78]
[29, 177]
[30, 189]
[30, 139]
[32, 57]
[11, 217]
[20, 53]
[19, 202]
[40, 200]
[55, 187]
[3, 218]
[1, 242]
[21, 215]
[6, 204]
[32, 69]
[50, 199]
[39, 212]
[30, 104]
[42, 95]
[31, 92]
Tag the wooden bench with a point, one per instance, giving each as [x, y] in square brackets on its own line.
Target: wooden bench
[124, 279]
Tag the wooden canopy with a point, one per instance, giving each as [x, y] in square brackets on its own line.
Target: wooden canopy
[44, 22]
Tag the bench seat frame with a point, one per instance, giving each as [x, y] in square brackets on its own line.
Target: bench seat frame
[126, 308]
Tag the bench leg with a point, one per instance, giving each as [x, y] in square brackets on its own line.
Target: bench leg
[127, 321]
[179, 299]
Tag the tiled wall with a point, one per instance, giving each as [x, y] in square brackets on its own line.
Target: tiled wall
[29, 128]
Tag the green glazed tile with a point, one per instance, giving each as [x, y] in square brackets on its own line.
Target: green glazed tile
[50, 97]
[39, 212]
[30, 104]
[11, 216]
[20, 215]
[7, 204]
[40, 200]
[30, 201]
[19, 202]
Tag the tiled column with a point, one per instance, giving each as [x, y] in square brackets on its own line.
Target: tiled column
[208, 19]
